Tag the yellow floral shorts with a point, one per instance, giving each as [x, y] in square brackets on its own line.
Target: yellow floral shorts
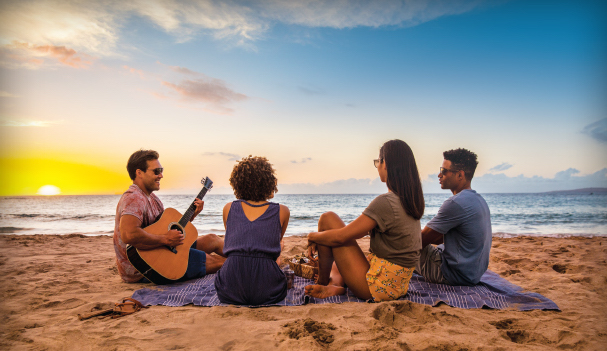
[386, 280]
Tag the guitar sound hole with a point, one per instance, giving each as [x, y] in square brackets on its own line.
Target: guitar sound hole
[175, 226]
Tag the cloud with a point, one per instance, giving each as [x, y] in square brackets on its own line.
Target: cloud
[303, 160]
[597, 130]
[94, 26]
[566, 175]
[360, 13]
[29, 123]
[26, 55]
[213, 93]
[5, 94]
[210, 91]
[135, 71]
[310, 91]
[231, 157]
[501, 167]
[501, 183]
[91, 26]
[183, 70]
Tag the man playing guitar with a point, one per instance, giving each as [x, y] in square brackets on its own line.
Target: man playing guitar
[139, 207]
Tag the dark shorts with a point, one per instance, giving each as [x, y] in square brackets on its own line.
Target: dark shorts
[197, 267]
[430, 261]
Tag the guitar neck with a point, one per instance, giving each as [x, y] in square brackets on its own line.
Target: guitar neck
[190, 212]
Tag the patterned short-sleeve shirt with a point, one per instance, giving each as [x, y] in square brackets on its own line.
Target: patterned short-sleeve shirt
[147, 209]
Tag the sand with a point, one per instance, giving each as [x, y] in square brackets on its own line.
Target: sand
[48, 280]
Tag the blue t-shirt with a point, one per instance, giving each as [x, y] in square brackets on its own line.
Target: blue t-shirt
[465, 222]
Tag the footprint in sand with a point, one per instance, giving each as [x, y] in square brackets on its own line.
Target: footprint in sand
[509, 272]
[403, 313]
[320, 331]
[512, 330]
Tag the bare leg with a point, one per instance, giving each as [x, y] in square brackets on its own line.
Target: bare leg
[214, 262]
[325, 264]
[352, 266]
[346, 264]
[210, 243]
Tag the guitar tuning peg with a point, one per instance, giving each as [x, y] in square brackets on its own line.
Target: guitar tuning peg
[202, 181]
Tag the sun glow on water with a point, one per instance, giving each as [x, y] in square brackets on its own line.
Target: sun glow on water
[49, 190]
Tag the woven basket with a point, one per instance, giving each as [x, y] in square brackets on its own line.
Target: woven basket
[303, 270]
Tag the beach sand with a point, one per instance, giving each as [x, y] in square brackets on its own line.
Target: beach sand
[48, 280]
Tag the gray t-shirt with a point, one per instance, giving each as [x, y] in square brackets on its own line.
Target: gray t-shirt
[397, 236]
[465, 222]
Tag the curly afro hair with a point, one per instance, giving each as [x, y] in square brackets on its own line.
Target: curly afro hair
[462, 159]
[253, 179]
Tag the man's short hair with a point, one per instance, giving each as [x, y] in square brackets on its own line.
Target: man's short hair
[139, 160]
[462, 160]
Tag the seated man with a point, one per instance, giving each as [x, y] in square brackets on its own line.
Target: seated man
[139, 207]
[462, 223]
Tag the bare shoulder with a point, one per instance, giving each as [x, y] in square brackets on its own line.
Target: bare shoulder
[284, 212]
[227, 206]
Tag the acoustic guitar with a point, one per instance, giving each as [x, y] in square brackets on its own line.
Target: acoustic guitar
[165, 264]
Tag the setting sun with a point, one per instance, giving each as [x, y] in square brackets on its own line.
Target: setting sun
[49, 190]
[53, 177]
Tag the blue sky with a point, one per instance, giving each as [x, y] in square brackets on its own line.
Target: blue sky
[315, 86]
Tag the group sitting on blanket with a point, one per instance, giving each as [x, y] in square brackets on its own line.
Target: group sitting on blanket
[453, 248]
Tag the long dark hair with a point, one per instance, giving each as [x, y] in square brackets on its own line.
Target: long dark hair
[403, 177]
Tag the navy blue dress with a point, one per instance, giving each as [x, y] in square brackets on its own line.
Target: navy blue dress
[250, 275]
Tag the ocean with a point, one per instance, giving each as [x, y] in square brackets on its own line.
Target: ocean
[511, 214]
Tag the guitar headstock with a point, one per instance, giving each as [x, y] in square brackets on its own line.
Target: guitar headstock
[207, 183]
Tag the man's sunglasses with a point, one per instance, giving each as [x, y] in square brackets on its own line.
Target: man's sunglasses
[157, 171]
[377, 161]
[444, 171]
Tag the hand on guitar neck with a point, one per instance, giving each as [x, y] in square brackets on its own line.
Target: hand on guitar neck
[199, 206]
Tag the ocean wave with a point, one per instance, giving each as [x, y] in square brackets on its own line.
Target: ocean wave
[512, 235]
[305, 218]
[59, 217]
[7, 230]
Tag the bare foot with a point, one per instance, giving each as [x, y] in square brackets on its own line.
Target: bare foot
[322, 292]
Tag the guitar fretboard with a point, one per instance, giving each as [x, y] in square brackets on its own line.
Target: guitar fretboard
[190, 212]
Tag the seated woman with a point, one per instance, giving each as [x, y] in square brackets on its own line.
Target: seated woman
[392, 220]
[254, 230]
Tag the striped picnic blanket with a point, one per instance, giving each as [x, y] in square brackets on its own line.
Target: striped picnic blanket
[493, 291]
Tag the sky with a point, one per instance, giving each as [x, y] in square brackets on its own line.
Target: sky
[315, 86]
